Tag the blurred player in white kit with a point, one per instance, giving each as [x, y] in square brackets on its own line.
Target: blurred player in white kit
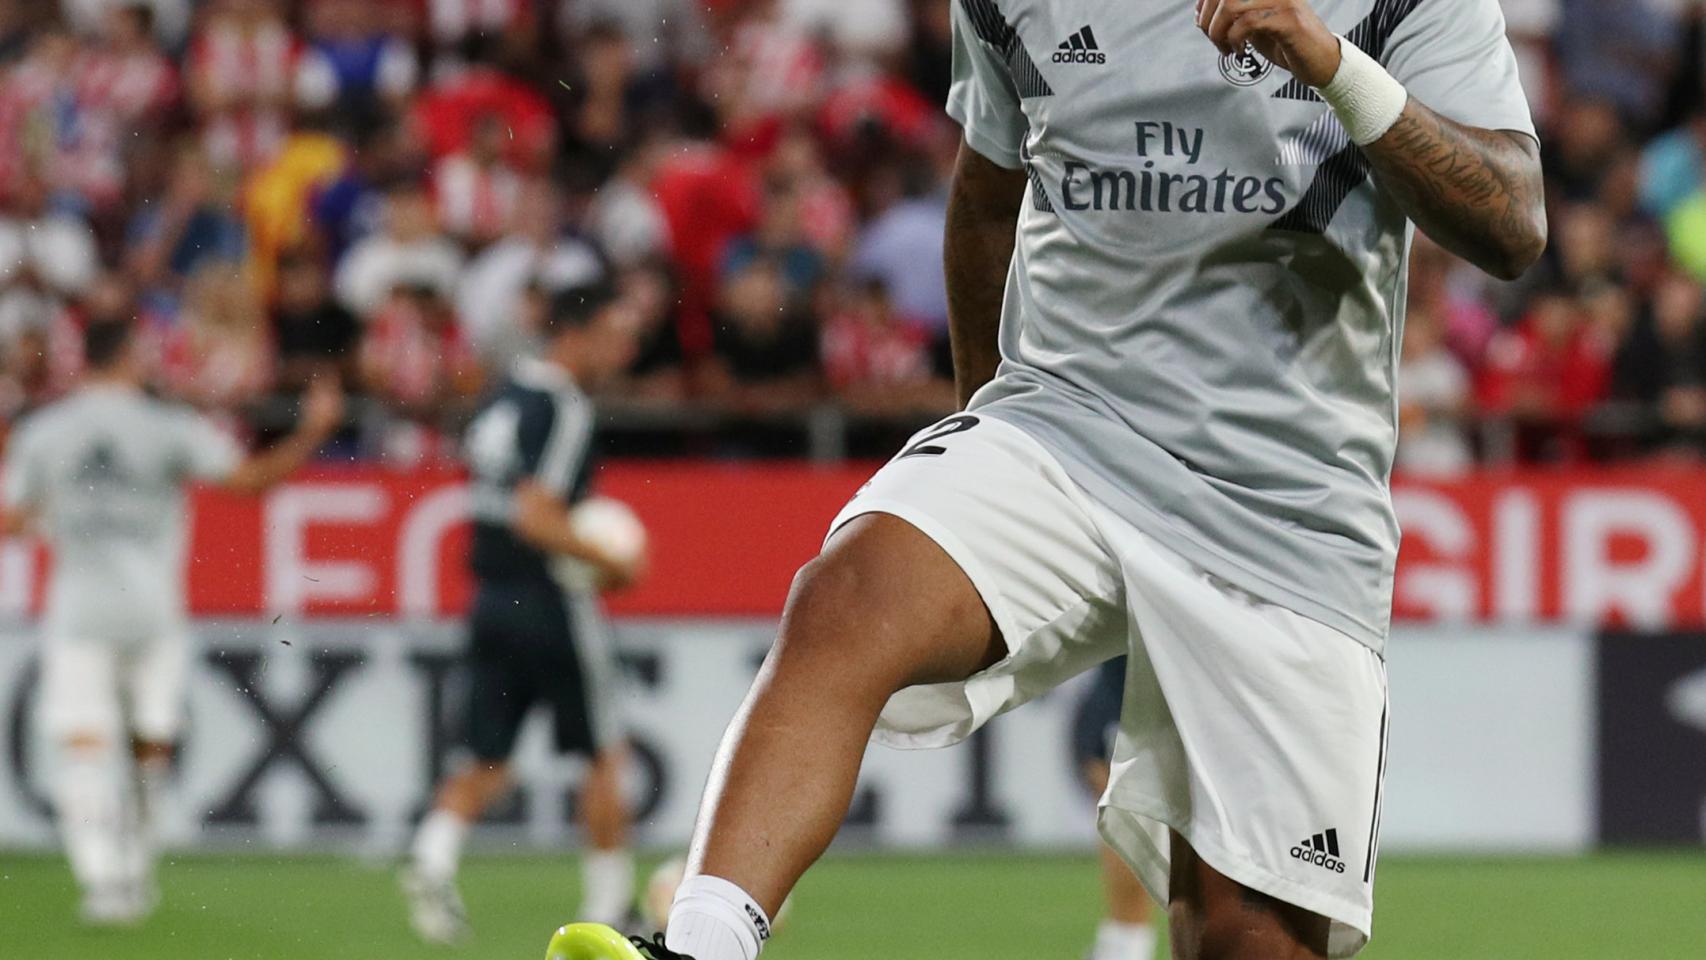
[101, 475]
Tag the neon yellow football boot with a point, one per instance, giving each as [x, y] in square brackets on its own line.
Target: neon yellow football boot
[595, 941]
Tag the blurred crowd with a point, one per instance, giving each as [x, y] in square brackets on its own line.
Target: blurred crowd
[389, 191]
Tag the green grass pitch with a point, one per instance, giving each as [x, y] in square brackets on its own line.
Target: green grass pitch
[858, 907]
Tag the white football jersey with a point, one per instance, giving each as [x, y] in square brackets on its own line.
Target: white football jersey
[105, 470]
[1206, 300]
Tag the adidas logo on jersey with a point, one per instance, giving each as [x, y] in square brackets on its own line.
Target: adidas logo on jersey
[1081, 47]
[1322, 850]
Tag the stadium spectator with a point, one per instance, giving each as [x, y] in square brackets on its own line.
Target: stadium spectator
[313, 334]
[193, 224]
[416, 363]
[599, 105]
[219, 356]
[902, 247]
[624, 217]
[243, 73]
[1545, 376]
[663, 34]
[780, 239]
[168, 20]
[1662, 367]
[657, 375]
[350, 205]
[872, 29]
[766, 358]
[473, 32]
[535, 254]
[48, 259]
[878, 360]
[354, 65]
[477, 190]
[409, 250]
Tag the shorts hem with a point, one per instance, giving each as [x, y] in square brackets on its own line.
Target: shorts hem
[1125, 835]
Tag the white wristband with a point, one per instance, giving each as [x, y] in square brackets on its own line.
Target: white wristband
[1367, 99]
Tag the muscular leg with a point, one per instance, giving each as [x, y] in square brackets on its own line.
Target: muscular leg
[603, 814]
[883, 608]
[1214, 918]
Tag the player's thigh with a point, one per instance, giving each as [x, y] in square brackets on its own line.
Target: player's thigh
[79, 692]
[975, 551]
[885, 604]
[154, 677]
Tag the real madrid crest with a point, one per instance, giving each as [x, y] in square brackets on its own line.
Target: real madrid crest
[1246, 68]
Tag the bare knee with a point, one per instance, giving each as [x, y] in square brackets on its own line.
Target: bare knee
[886, 604]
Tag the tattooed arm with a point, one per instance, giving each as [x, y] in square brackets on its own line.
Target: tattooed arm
[983, 213]
[1476, 192]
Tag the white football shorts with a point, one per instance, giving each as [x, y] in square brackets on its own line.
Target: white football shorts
[114, 690]
[1255, 733]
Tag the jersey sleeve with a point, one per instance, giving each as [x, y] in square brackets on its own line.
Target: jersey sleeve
[1453, 56]
[553, 444]
[207, 452]
[983, 97]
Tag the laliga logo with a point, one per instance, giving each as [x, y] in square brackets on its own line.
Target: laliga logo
[1246, 68]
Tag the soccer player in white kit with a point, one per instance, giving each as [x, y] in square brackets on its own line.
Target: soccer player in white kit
[1179, 429]
[101, 476]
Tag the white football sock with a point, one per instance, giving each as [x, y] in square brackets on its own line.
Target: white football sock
[713, 919]
[92, 818]
[438, 846]
[1124, 941]
[607, 886]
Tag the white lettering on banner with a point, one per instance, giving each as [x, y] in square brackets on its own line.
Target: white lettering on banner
[1447, 592]
[293, 580]
[1595, 585]
[1516, 557]
[418, 549]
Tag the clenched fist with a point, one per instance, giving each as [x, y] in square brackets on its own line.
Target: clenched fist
[1287, 32]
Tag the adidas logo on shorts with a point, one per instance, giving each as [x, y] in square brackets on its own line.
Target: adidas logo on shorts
[1081, 47]
[1322, 850]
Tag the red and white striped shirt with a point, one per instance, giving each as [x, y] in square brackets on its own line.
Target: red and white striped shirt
[251, 70]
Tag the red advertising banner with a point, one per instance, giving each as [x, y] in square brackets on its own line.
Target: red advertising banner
[1618, 547]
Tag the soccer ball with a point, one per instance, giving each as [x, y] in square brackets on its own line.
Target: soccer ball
[610, 524]
[660, 893]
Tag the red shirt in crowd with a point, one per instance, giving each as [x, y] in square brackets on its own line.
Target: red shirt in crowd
[1552, 367]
